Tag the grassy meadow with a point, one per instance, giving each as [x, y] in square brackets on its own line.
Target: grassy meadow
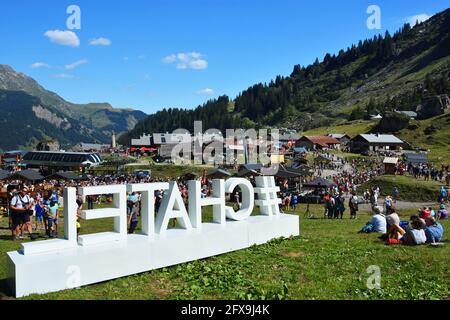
[329, 260]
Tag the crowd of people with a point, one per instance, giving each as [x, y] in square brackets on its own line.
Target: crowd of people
[36, 207]
[428, 172]
[420, 229]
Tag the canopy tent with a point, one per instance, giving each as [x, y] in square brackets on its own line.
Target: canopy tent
[300, 150]
[302, 170]
[319, 183]
[218, 173]
[85, 177]
[189, 176]
[247, 173]
[286, 174]
[4, 174]
[251, 166]
[26, 175]
[63, 176]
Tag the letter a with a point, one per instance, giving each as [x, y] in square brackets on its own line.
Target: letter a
[374, 21]
[172, 206]
[74, 20]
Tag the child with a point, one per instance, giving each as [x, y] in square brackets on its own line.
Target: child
[39, 219]
[52, 219]
[294, 202]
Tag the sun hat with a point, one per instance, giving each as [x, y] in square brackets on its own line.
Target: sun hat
[393, 219]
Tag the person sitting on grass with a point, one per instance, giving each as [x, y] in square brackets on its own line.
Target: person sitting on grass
[394, 232]
[424, 213]
[434, 230]
[416, 233]
[442, 213]
[377, 223]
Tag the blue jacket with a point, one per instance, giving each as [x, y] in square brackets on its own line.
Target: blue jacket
[434, 233]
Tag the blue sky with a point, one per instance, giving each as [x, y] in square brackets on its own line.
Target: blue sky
[154, 54]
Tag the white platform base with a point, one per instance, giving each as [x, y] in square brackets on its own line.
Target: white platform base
[84, 265]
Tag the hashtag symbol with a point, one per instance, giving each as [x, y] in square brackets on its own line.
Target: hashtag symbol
[268, 200]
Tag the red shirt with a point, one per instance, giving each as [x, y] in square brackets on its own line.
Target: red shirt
[425, 214]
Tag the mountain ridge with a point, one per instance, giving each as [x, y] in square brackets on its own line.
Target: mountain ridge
[94, 120]
[397, 71]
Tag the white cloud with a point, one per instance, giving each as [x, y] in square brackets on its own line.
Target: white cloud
[206, 91]
[100, 42]
[63, 76]
[170, 59]
[38, 65]
[187, 60]
[418, 17]
[75, 64]
[65, 38]
[198, 64]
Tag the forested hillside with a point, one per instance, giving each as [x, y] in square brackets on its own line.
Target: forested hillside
[385, 73]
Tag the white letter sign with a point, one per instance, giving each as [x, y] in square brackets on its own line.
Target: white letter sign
[109, 255]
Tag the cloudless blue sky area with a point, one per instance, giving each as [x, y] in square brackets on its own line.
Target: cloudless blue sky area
[244, 42]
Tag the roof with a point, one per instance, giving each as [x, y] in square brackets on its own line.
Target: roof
[390, 160]
[286, 174]
[144, 140]
[381, 138]
[416, 158]
[189, 175]
[63, 176]
[60, 158]
[338, 135]
[218, 173]
[323, 141]
[3, 174]
[171, 138]
[298, 171]
[92, 146]
[289, 137]
[300, 150]
[246, 173]
[410, 114]
[252, 166]
[29, 175]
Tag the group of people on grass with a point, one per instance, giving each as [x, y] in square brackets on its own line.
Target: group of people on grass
[424, 227]
[36, 207]
[26, 205]
[429, 172]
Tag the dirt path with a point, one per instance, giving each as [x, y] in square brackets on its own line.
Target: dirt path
[401, 205]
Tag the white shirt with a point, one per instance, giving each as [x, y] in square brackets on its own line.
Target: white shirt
[18, 201]
[379, 223]
[419, 235]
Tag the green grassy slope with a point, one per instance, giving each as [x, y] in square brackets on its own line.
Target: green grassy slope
[410, 189]
[328, 261]
[438, 141]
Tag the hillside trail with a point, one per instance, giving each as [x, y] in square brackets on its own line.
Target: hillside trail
[401, 205]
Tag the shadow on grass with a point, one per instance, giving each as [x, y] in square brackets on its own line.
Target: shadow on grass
[5, 291]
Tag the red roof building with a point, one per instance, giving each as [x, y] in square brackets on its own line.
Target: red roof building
[318, 142]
